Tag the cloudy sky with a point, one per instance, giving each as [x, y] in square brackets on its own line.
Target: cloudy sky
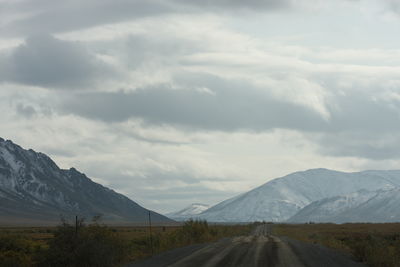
[173, 101]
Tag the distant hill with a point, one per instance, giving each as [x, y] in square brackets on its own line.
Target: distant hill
[188, 212]
[364, 206]
[280, 199]
[33, 189]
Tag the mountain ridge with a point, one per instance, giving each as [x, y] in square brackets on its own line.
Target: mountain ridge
[378, 206]
[33, 187]
[281, 198]
[189, 212]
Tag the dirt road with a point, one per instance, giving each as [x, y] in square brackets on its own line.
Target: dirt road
[256, 250]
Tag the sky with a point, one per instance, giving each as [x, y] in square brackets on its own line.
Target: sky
[173, 102]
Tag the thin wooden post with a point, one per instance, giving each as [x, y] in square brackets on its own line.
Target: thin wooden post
[76, 225]
[151, 235]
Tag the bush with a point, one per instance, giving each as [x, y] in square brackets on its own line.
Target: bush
[85, 245]
[191, 232]
[194, 232]
[16, 251]
[14, 259]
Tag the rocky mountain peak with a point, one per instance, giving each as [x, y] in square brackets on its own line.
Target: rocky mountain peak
[33, 186]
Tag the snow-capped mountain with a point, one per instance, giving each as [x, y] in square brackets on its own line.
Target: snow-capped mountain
[281, 198]
[188, 212]
[363, 206]
[34, 188]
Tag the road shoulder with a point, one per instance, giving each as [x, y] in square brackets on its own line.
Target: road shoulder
[168, 257]
[312, 255]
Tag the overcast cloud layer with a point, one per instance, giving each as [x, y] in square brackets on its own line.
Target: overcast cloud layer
[174, 102]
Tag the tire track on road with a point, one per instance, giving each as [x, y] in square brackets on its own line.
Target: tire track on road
[260, 249]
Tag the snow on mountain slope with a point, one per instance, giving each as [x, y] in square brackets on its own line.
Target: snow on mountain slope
[32, 187]
[281, 198]
[188, 212]
[363, 206]
[330, 209]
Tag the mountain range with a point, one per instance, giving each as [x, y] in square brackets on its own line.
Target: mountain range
[188, 212]
[363, 206]
[34, 190]
[318, 195]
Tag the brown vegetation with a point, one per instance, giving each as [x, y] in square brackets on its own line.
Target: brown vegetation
[377, 245]
[166, 238]
[95, 244]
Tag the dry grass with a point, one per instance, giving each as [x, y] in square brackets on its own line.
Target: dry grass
[40, 234]
[166, 238]
[373, 244]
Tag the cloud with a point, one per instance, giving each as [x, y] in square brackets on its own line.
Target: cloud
[359, 144]
[362, 123]
[25, 110]
[49, 62]
[157, 48]
[155, 188]
[233, 4]
[361, 111]
[46, 16]
[203, 102]
[24, 18]
[208, 102]
[259, 5]
[393, 5]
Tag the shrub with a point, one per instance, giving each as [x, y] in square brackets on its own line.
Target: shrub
[85, 245]
[14, 259]
[194, 232]
[16, 251]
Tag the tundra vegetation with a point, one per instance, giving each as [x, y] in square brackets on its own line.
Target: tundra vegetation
[377, 245]
[95, 244]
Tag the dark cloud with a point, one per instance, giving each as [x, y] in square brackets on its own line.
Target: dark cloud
[360, 124]
[48, 16]
[52, 17]
[45, 61]
[208, 103]
[32, 17]
[212, 103]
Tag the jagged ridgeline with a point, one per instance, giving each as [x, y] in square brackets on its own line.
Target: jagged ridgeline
[34, 190]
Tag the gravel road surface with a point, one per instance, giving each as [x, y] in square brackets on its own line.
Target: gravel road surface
[256, 250]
